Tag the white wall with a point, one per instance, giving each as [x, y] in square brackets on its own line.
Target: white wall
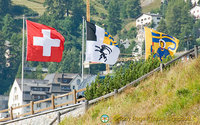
[143, 20]
[195, 12]
[15, 98]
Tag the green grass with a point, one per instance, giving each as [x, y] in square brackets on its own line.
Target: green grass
[36, 5]
[171, 97]
[154, 5]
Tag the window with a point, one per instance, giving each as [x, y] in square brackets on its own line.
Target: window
[67, 96]
[145, 19]
[158, 18]
[48, 104]
[78, 81]
[149, 18]
[73, 87]
[138, 20]
[141, 19]
[15, 89]
[16, 97]
[65, 88]
[38, 105]
[64, 80]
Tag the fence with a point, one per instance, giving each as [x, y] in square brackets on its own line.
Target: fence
[53, 105]
[160, 68]
[193, 51]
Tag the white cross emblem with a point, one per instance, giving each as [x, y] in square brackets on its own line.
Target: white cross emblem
[46, 41]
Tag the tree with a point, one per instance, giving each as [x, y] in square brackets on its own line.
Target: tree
[163, 7]
[4, 6]
[114, 21]
[2, 57]
[178, 20]
[57, 8]
[162, 26]
[8, 26]
[133, 8]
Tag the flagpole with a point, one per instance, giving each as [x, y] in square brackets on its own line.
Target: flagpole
[22, 78]
[83, 48]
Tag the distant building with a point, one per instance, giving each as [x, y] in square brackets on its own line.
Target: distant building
[33, 69]
[195, 11]
[3, 105]
[34, 90]
[137, 50]
[193, 1]
[147, 19]
[126, 43]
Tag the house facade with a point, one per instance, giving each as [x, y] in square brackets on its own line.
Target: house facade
[195, 11]
[147, 19]
[34, 90]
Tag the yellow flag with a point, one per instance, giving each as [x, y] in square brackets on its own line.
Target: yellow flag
[159, 44]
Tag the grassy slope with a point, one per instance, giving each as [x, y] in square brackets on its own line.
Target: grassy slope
[36, 5]
[173, 95]
[145, 9]
[154, 5]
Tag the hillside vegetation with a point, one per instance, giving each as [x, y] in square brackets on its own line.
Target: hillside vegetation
[36, 5]
[171, 97]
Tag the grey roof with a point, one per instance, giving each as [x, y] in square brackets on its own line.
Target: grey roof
[32, 81]
[26, 88]
[53, 78]
[55, 88]
[150, 14]
[34, 69]
[50, 77]
[27, 97]
[86, 81]
[33, 86]
[3, 97]
[3, 102]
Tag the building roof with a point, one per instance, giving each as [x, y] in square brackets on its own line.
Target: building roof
[53, 78]
[3, 102]
[86, 82]
[53, 83]
[32, 82]
[149, 14]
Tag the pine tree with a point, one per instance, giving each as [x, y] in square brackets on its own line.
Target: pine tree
[4, 6]
[162, 26]
[114, 21]
[133, 8]
[8, 26]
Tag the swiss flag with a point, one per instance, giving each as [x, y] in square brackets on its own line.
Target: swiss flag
[44, 43]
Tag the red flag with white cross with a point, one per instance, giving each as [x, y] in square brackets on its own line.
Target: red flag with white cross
[44, 43]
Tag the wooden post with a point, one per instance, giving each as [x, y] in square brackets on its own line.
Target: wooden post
[115, 91]
[58, 117]
[86, 105]
[74, 93]
[32, 107]
[161, 67]
[196, 51]
[11, 113]
[52, 101]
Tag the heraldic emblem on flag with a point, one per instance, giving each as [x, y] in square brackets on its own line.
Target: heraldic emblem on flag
[44, 43]
[100, 46]
[159, 44]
